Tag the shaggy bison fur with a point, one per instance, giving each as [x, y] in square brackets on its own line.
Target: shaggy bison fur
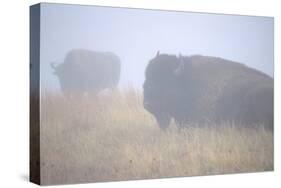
[202, 88]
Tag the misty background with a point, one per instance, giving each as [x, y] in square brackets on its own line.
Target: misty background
[135, 35]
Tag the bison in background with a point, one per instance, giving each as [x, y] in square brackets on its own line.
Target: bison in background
[85, 71]
[201, 88]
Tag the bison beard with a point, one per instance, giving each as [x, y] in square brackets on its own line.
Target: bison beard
[199, 88]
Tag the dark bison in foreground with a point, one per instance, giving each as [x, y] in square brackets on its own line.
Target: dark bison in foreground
[201, 88]
[85, 71]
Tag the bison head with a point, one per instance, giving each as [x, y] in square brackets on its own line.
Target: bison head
[161, 87]
[64, 76]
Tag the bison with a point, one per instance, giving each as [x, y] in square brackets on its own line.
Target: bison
[202, 88]
[85, 71]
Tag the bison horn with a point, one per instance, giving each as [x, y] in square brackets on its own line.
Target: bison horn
[181, 59]
[158, 52]
[180, 67]
[53, 66]
[180, 56]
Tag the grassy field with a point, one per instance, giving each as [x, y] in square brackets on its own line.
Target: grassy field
[111, 137]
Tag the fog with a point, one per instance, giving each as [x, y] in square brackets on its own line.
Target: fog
[136, 35]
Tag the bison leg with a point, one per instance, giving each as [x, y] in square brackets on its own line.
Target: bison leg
[163, 120]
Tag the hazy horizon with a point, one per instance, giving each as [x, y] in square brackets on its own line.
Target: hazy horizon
[135, 35]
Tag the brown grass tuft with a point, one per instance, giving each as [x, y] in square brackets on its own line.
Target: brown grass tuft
[111, 137]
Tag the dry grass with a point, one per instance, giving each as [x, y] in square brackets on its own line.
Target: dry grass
[111, 137]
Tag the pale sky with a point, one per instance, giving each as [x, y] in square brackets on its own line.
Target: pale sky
[135, 35]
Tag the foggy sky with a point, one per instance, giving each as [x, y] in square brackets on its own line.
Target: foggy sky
[135, 35]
